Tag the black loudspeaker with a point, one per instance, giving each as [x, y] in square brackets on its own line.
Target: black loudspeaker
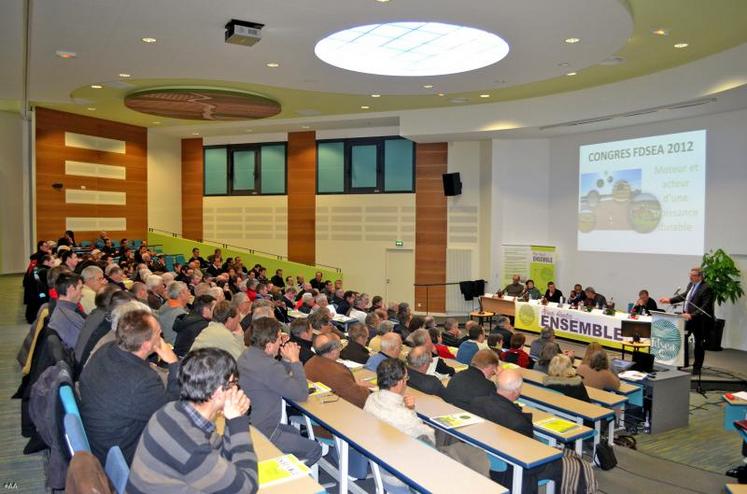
[452, 184]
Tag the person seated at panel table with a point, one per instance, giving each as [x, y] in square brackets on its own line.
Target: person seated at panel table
[593, 299]
[577, 295]
[515, 288]
[595, 369]
[561, 376]
[644, 305]
[553, 294]
[501, 408]
[531, 290]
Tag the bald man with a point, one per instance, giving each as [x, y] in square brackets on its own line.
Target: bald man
[391, 347]
[500, 407]
[324, 368]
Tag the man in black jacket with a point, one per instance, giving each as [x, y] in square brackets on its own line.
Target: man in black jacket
[118, 389]
[356, 350]
[188, 326]
[474, 381]
[302, 335]
[418, 361]
[697, 311]
[500, 408]
[451, 335]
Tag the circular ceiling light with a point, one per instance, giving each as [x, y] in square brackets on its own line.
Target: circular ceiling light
[411, 49]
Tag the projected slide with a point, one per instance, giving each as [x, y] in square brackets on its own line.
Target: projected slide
[643, 195]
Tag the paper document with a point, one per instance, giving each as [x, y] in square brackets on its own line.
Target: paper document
[632, 375]
[318, 388]
[281, 469]
[742, 395]
[457, 420]
[557, 425]
[350, 364]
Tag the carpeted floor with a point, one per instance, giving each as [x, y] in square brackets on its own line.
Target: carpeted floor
[18, 473]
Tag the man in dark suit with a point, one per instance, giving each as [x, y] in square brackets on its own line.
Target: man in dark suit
[418, 361]
[474, 381]
[356, 350]
[501, 409]
[697, 311]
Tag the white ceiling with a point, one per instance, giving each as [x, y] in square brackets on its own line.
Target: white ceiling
[11, 49]
[190, 41]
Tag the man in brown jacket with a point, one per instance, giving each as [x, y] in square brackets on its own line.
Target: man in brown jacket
[324, 368]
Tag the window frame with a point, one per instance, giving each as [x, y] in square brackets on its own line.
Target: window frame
[349, 144]
[257, 148]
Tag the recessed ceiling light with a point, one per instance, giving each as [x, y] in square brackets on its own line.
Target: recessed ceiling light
[571, 74]
[365, 107]
[376, 96]
[416, 49]
[148, 39]
[305, 127]
[485, 96]
[660, 32]
[66, 54]
[681, 45]
[195, 133]
[96, 86]
[383, 1]
[572, 41]
[273, 65]
[563, 64]
[428, 86]
[156, 123]
[124, 75]
[441, 94]
[90, 108]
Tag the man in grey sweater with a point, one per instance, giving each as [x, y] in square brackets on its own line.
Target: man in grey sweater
[267, 381]
[178, 297]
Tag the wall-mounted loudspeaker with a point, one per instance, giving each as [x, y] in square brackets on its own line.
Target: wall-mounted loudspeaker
[452, 184]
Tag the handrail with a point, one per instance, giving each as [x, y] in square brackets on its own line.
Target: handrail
[224, 245]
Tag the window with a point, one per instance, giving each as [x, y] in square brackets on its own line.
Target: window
[245, 169]
[365, 166]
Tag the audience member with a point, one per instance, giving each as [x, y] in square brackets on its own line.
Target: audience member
[223, 331]
[561, 376]
[391, 347]
[384, 327]
[503, 327]
[418, 362]
[545, 357]
[302, 335]
[501, 408]
[474, 381]
[188, 326]
[547, 337]
[180, 450]
[324, 368]
[267, 381]
[119, 391]
[67, 318]
[175, 306]
[96, 318]
[595, 369]
[372, 324]
[156, 291]
[346, 304]
[356, 350]
[470, 347]
[421, 337]
[452, 336]
[93, 282]
[88, 341]
[437, 340]
[516, 354]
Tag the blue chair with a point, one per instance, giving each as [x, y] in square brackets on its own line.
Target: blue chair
[136, 244]
[69, 402]
[180, 259]
[116, 469]
[99, 244]
[75, 434]
[498, 465]
[169, 261]
[158, 249]
[85, 243]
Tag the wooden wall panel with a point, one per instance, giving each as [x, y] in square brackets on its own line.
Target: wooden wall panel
[192, 188]
[51, 154]
[430, 226]
[302, 197]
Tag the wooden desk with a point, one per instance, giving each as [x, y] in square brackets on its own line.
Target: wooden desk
[734, 410]
[265, 450]
[498, 305]
[736, 488]
[635, 346]
[571, 408]
[410, 460]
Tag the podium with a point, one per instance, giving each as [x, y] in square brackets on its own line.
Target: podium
[668, 343]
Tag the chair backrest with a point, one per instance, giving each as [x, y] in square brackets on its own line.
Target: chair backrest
[169, 261]
[180, 259]
[75, 435]
[69, 403]
[116, 469]
[41, 318]
[85, 243]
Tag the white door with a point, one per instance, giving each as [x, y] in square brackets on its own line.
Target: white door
[400, 276]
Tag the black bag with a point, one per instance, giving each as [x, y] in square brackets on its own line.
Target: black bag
[605, 457]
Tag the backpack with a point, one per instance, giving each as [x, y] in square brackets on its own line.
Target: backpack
[605, 457]
[578, 475]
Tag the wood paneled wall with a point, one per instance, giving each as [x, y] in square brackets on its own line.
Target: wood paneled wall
[51, 154]
[430, 226]
[302, 197]
[192, 188]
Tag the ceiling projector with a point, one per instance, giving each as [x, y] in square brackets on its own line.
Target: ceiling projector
[243, 32]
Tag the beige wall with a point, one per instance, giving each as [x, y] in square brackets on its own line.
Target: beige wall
[164, 182]
[14, 247]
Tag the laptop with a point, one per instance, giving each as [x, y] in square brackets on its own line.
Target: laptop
[620, 365]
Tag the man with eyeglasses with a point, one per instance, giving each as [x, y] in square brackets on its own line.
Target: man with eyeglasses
[180, 451]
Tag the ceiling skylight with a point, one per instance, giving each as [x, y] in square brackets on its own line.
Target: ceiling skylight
[411, 49]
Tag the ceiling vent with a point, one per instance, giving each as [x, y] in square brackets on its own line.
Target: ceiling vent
[243, 32]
